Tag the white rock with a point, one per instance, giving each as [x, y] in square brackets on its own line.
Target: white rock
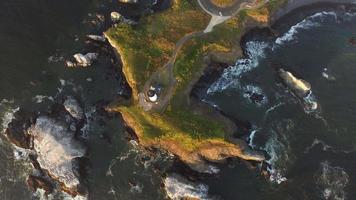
[115, 17]
[98, 38]
[56, 148]
[85, 60]
[73, 108]
[179, 188]
[129, 1]
[299, 86]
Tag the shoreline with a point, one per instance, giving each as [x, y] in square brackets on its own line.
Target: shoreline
[280, 14]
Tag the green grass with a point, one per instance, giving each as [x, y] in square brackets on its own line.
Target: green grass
[147, 46]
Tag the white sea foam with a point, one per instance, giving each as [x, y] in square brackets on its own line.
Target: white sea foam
[278, 148]
[312, 21]
[40, 194]
[275, 149]
[178, 188]
[136, 188]
[230, 78]
[41, 98]
[7, 115]
[332, 181]
[250, 90]
[252, 138]
[85, 130]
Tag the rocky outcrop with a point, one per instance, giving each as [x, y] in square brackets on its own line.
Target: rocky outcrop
[16, 130]
[56, 148]
[82, 60]
[73, 108]
[98, 38]
[299, 86]
[116, 18]
[129, 1]
[178, 188]
[35, 182]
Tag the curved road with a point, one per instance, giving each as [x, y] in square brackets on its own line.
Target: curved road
[219, 15]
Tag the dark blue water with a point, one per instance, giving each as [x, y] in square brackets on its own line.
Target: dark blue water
[312, 154]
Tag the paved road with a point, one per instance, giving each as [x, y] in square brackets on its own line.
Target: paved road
[219, 15]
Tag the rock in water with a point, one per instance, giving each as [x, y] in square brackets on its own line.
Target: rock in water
[73, 108]
[35, 182]
[83, 60]
[178, 188]
[56, 149]
[129, 1]
[115, 17]
[16, 130]
[98, 38]
[300, 87]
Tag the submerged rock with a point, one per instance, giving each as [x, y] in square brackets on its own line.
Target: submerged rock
[35, 182]
[73, 108]
[83, 60]
[178, 188]
[352, 41]
[56, 149]
[16, 129]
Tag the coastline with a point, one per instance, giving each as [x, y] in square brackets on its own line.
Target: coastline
[218, 57]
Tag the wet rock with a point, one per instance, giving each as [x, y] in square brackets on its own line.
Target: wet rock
[352, 41]
[73, 108]
[35, 182]
[98, 38]
[83, 60]
[16, 131]
[129, 1]
[178, 188]
[56, 149]
[300, 87]
[115, 17]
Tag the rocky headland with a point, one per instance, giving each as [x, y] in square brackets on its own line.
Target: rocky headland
[188, 127]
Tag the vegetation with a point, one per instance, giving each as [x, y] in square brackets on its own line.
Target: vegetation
[148, 46]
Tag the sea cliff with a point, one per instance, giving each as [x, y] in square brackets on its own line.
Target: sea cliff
[191, 130]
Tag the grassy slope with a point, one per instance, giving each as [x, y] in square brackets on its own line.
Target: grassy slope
[148, 45]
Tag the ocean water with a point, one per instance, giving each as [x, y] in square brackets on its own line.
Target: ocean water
[311, 155]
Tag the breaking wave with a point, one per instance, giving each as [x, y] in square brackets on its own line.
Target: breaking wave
[332, 181]
[255, 50]
[7, 111]
[312, 21]
[278, 148]
[179, 188]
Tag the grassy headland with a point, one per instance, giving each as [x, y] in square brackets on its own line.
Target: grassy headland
[183, 129]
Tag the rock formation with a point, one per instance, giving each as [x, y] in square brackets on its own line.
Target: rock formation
[82, 60]
[178, 188]
[300, 87]
[56, 148]
[73, 108]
